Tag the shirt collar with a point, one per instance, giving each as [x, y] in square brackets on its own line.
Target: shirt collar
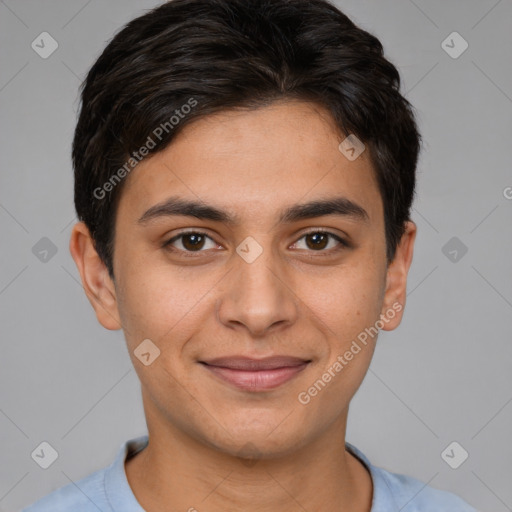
[382, 498]
[117, 489]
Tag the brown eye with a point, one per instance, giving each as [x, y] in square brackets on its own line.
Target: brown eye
[192, 241]
[319, 241]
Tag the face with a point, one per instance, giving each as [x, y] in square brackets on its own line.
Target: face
[255, 301]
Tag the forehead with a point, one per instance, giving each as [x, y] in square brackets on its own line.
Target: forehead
[254, 162]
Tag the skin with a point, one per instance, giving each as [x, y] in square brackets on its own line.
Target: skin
[294, 299]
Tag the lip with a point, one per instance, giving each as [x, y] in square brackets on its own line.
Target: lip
[256, 375]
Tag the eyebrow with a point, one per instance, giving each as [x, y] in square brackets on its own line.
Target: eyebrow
[333, 206]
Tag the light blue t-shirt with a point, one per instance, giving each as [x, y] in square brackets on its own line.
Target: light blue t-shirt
[107, 490]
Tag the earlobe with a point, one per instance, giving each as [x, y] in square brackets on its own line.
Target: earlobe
[97, 283]
[396, 279]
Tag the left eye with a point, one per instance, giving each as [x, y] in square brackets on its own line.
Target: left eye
[319, 240]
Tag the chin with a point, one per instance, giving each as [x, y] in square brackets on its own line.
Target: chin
[259, 439]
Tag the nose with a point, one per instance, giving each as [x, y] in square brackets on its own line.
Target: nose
[258, 297]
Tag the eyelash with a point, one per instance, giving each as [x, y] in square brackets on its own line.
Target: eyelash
[344, 245]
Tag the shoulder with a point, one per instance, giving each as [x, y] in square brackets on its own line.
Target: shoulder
[86, 495]
[412, 495]
[394, 491]
[103, 490]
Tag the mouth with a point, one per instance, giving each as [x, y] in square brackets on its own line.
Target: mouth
[256, 375]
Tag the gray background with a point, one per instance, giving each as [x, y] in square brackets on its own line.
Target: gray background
[444, 375]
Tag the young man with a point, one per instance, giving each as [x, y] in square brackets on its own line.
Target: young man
[244, 172]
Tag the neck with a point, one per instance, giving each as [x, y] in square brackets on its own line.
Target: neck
[178, 472]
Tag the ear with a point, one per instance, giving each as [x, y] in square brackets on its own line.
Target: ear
[97, 284]
[396, 280]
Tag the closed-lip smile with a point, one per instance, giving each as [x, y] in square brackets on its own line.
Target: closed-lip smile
[254, 375]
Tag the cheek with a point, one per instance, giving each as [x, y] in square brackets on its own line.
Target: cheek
[346, 309]
[145, 305]
[347, 300]
[346, 313]
[161, 305]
